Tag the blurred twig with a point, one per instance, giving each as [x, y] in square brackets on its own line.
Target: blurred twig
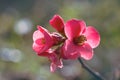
[95, 74]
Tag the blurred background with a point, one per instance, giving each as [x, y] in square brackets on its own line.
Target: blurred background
[18, 21]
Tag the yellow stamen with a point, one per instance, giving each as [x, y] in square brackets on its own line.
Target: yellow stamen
[80, 40]
[43, 40]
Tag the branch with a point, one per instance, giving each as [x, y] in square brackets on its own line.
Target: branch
[95, 74]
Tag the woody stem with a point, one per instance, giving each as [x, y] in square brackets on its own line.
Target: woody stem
[95, 74]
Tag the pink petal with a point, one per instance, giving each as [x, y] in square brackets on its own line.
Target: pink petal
[93, 37]
[39, 42]
[42, 29]
[57, 22]
[70, 50]
[83, 26]
[55, 61]
[53, 67]
[73, 28]
[47, 37]
[37, 48]
[42, 40]
[37, 35]
[86, 51]
[44, 54]
[60, 63]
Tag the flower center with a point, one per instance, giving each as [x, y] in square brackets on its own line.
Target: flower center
[80, 40]
[43, 40]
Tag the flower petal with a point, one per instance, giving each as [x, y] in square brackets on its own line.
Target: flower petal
[86, 51]
[37, 48]
[69, 50]
[83, 26]
[55, 61]
[47, 37]
[93, 37]
[57, 22]
[42, 40]
[60, 63]
[53, 67]
[37, 35]
[73, 28]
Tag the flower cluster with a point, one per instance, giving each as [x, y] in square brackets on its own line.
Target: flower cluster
[72, 40]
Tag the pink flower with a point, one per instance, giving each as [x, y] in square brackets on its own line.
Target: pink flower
[57, 23]
[75, 40]
[54, 58]
[42, 40]
[81, 40]
[42, 43]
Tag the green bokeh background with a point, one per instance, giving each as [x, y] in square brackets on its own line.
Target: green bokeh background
[104, 15]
